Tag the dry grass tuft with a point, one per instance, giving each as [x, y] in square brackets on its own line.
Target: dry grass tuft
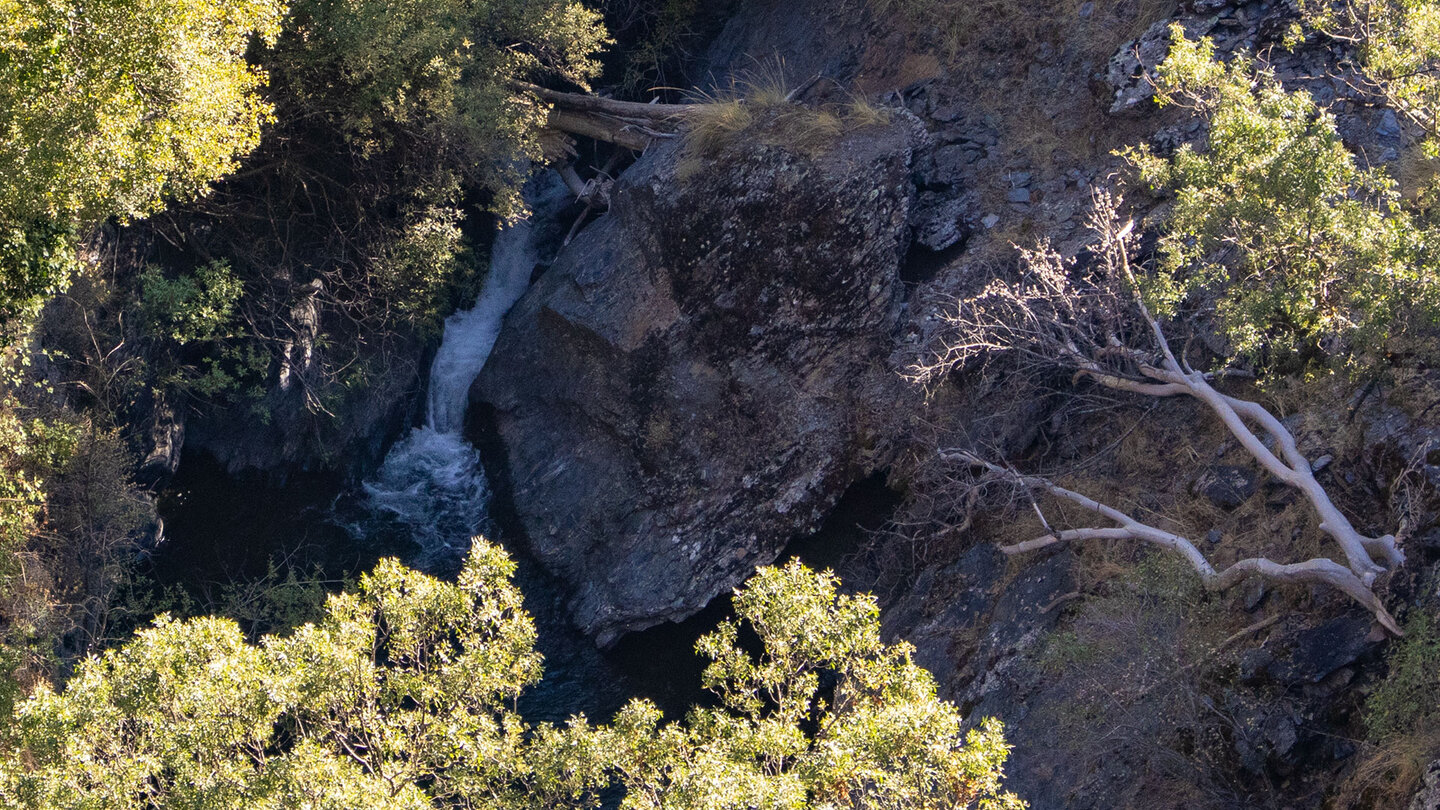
[714, 124]
[761, 109]
[1389, 773]
[861, 113]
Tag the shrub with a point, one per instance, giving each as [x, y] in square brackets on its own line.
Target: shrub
[1399, 49]
[1400, 722]
[1405, 700]
[189, 308]
[109, 108]
[29, 449]
[37, 259]
[1303, 253]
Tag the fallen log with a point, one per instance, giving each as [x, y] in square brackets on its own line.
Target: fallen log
[629, 124]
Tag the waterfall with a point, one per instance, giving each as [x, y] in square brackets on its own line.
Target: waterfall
[431, 482]
[470, 334]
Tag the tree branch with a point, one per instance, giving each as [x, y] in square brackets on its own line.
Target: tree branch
[1095, 326]
[624, 123]
[1314, 571]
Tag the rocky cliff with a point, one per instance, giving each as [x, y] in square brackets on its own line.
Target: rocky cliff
[705, 368]
[692, 383]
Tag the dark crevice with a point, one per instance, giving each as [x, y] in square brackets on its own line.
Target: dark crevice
[922, 264]
[863, 508]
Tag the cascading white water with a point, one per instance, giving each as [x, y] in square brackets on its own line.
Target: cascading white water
[431, 481]
[470, 334]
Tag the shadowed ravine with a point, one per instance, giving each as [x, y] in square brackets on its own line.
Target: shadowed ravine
[432, 493]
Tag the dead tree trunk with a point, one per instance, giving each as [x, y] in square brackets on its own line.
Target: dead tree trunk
[1095, 327]
[624, 123]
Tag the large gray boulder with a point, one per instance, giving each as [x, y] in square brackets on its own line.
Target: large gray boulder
[703, 371]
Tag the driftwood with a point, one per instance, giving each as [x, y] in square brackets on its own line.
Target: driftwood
[1095, 327]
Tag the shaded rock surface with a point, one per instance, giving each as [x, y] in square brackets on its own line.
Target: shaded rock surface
[1226, 485]
[703, 371]
[782, 38]
[1428, 797]
[292, 437]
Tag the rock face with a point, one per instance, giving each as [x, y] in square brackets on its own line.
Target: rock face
[292, 438]
[1428, 796]
[696, 379]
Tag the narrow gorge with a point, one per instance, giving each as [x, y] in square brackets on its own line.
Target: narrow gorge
[1098, 341]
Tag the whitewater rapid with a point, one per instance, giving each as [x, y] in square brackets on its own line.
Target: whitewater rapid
[431, 482]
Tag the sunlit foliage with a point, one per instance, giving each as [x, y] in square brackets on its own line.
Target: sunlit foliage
[403, 696]
[403, 682]
[827, 716]
[108, 109]
[29, 449]
[1399, 48]
[1302, 252]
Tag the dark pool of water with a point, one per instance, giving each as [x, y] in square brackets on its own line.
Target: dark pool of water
[224, 528]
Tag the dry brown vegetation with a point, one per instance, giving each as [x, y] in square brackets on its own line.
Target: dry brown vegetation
[762, 108]
[1045, 52]
[957, 26]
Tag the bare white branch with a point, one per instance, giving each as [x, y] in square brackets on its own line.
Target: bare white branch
[1315, 571]
[1099, 327]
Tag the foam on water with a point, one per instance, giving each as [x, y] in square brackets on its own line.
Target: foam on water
[431, 482]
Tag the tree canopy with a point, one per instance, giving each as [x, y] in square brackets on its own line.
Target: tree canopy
[403, 697]
[387, 74]
[109, 108]
[1301, 250]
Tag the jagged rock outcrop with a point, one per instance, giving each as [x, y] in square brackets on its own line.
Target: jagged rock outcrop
[701, 373]
[1428, 796]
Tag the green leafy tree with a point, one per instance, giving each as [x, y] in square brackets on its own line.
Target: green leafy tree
[1296, 246]
[397, 698]
[827, 716]
[23, 608]
[109, 108]
[403, 695]
[189, 308]
[31, 452]
[1399, 48]
[387, 72]
[412, 105]
[36, 258]
[346, 230]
